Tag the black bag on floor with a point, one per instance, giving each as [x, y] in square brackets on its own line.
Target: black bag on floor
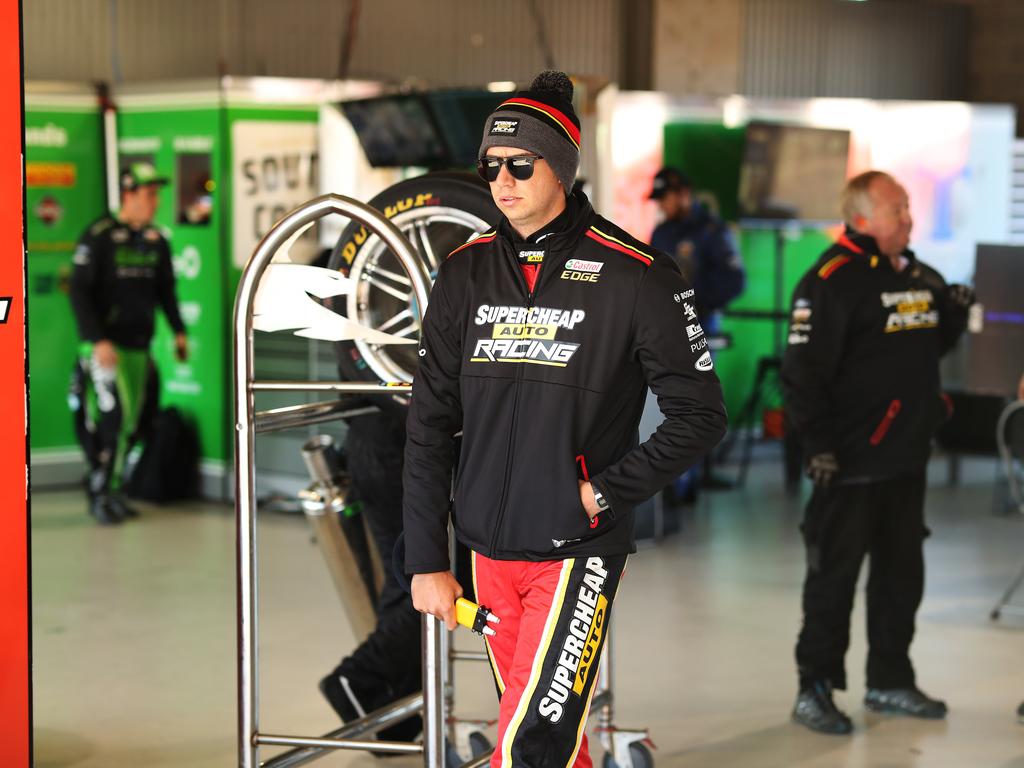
[168, 469]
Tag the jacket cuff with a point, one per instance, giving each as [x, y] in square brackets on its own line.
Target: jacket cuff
[435, 566]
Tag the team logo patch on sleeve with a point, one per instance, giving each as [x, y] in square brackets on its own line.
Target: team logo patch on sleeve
[504, 127]
[704, 362]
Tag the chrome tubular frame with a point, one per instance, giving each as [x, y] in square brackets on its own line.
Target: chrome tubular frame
[249, 736]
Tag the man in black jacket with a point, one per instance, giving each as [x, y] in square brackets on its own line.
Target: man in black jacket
[539, 343]
[861, 383]
[122, 272]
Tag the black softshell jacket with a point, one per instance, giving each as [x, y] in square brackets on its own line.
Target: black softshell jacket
[860, 374]
[120, 276]
[548, 388]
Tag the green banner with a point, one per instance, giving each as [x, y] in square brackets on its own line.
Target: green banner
[184, 145]
[64, 194]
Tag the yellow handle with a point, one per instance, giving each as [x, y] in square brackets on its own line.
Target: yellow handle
[465, 612]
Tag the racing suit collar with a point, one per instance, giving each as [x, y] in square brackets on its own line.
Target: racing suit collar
[557, 224]
[865, 246]
[560, 233]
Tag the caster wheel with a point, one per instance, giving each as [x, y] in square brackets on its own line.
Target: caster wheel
[452, 759]
[479, 744]
[638, 753]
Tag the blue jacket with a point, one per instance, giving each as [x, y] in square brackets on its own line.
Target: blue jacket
[704, 250]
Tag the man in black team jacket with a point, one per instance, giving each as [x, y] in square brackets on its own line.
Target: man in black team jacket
[861, 383]
[539, 343]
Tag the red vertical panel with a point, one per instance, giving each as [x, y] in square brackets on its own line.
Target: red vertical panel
[14, 564]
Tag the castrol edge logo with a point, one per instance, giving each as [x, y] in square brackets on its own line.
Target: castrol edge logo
[580, 265]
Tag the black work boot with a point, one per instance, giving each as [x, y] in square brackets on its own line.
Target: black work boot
[815, 709]
[351, 698]
[905, 701]
[102, 510]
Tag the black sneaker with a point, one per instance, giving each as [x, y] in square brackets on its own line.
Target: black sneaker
[351, 700]
[905, 701]
[102, 510]
[123, 508]
[815, 709]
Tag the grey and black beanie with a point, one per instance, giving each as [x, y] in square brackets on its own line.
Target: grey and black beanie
[541, 120]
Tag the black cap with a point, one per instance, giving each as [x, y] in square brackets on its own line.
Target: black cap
[668, 179]
[140, 174]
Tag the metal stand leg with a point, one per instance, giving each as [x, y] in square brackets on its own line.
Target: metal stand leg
[617, 742]
[433, 693]
[1008, 595]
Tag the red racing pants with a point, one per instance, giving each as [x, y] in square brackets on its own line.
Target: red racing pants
[545, 653]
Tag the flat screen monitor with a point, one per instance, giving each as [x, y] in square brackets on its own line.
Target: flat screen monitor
[996, 323]
[793, 172]
[397, 131]
[461, 115]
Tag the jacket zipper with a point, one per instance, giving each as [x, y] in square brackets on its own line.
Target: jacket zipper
[515, 417]
[886, 422]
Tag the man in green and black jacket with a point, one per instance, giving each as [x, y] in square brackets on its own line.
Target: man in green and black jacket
[122, 273]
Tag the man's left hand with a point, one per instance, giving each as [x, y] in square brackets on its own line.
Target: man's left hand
[181, 347]
[587, 499]
[962, 295]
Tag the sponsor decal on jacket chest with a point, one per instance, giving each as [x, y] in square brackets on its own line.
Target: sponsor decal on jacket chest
[911, 310]
[582, 271]
[577, 661]
[525, 335]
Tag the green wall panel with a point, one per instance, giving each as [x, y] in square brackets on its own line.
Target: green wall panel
[712, 155]
[181, 143]
[65, 192]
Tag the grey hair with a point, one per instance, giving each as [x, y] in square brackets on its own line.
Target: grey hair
[856, 196]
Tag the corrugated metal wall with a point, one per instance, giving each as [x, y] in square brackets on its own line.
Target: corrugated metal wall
[883, 50]
[457, 42]
[790, 48]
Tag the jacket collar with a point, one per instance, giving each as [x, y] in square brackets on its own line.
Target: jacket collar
[858, 244]
[560, 234]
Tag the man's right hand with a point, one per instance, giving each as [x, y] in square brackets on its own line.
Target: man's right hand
[822, 467]
[436, 593]
[105, 353]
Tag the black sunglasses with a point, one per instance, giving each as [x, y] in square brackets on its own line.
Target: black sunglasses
[520, 166]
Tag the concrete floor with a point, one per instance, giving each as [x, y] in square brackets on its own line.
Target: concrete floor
[134, 638]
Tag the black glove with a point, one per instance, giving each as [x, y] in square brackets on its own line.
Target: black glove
[822, 467]
[961, 295]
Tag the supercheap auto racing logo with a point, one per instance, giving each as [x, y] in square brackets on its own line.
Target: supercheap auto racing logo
[914, 309]
[525, 335]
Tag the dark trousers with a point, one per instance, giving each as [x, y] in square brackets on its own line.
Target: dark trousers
[884, 520]
[386, 665]
[389, 659]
